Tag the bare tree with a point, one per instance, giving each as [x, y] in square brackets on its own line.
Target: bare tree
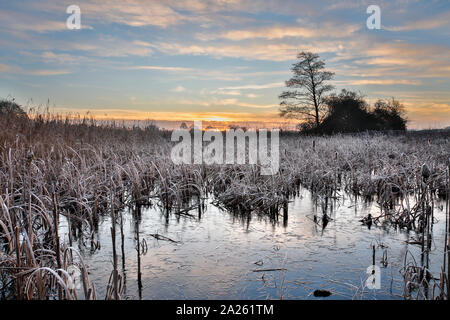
[306, 101]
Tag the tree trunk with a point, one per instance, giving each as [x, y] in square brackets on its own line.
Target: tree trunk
[317, 115]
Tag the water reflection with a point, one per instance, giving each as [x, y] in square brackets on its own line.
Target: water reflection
[213, 254]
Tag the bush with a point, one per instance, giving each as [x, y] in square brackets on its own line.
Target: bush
[349, 112]
[389, 115]
[11, 109]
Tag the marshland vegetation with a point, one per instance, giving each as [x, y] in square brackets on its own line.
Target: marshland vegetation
[77, 169]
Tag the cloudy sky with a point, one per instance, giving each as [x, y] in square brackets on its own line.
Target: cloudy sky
[222, 59]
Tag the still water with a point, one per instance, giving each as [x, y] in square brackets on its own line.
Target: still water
[221, 256]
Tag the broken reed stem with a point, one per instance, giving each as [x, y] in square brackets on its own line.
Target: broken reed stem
[30, 221]
[138, 249]
[19, 278]
[69, 223]
[373, 255]
[56, 224]
[113, 239]
[448, 231]
[56, 243]
[122, 241]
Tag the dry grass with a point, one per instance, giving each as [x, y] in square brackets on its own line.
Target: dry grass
[52, 166]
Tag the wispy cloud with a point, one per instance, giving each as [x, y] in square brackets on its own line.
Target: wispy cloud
[232, 102]
[226, 52]
[161, 68]
[134, 13]
[32, 72]
[65, 58]
[428, 114]
[4, 68]
[226, 92]
[382, 82]
[109, 46]
[47, 72]
[441, 20]
[327, 30]
[190, 73]
[18, 21]
[272, 52]
[179, 89]
[256, 86]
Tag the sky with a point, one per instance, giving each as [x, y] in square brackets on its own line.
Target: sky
[222, 60]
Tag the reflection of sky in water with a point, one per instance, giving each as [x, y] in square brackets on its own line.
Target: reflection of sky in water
[216, 256]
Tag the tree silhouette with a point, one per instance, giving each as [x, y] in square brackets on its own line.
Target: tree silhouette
[390, 115]
[347, 112]
[306, 101]
[11, 109]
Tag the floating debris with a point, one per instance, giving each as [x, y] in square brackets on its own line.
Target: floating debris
[322, 293]
[163, 238]
[269, 270]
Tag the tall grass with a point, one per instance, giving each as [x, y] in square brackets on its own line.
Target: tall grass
[53, 166]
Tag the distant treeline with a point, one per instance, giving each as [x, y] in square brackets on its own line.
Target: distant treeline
[348, 112]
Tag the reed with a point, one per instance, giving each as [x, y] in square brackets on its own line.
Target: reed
[79, 169]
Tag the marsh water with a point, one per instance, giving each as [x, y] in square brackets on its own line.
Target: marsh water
[223, 256]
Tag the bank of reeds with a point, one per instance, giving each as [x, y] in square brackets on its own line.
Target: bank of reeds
[52, 167]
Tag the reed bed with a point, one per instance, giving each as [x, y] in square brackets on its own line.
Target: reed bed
[80, 169]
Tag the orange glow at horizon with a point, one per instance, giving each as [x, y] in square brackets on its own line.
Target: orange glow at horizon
[417, 114]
